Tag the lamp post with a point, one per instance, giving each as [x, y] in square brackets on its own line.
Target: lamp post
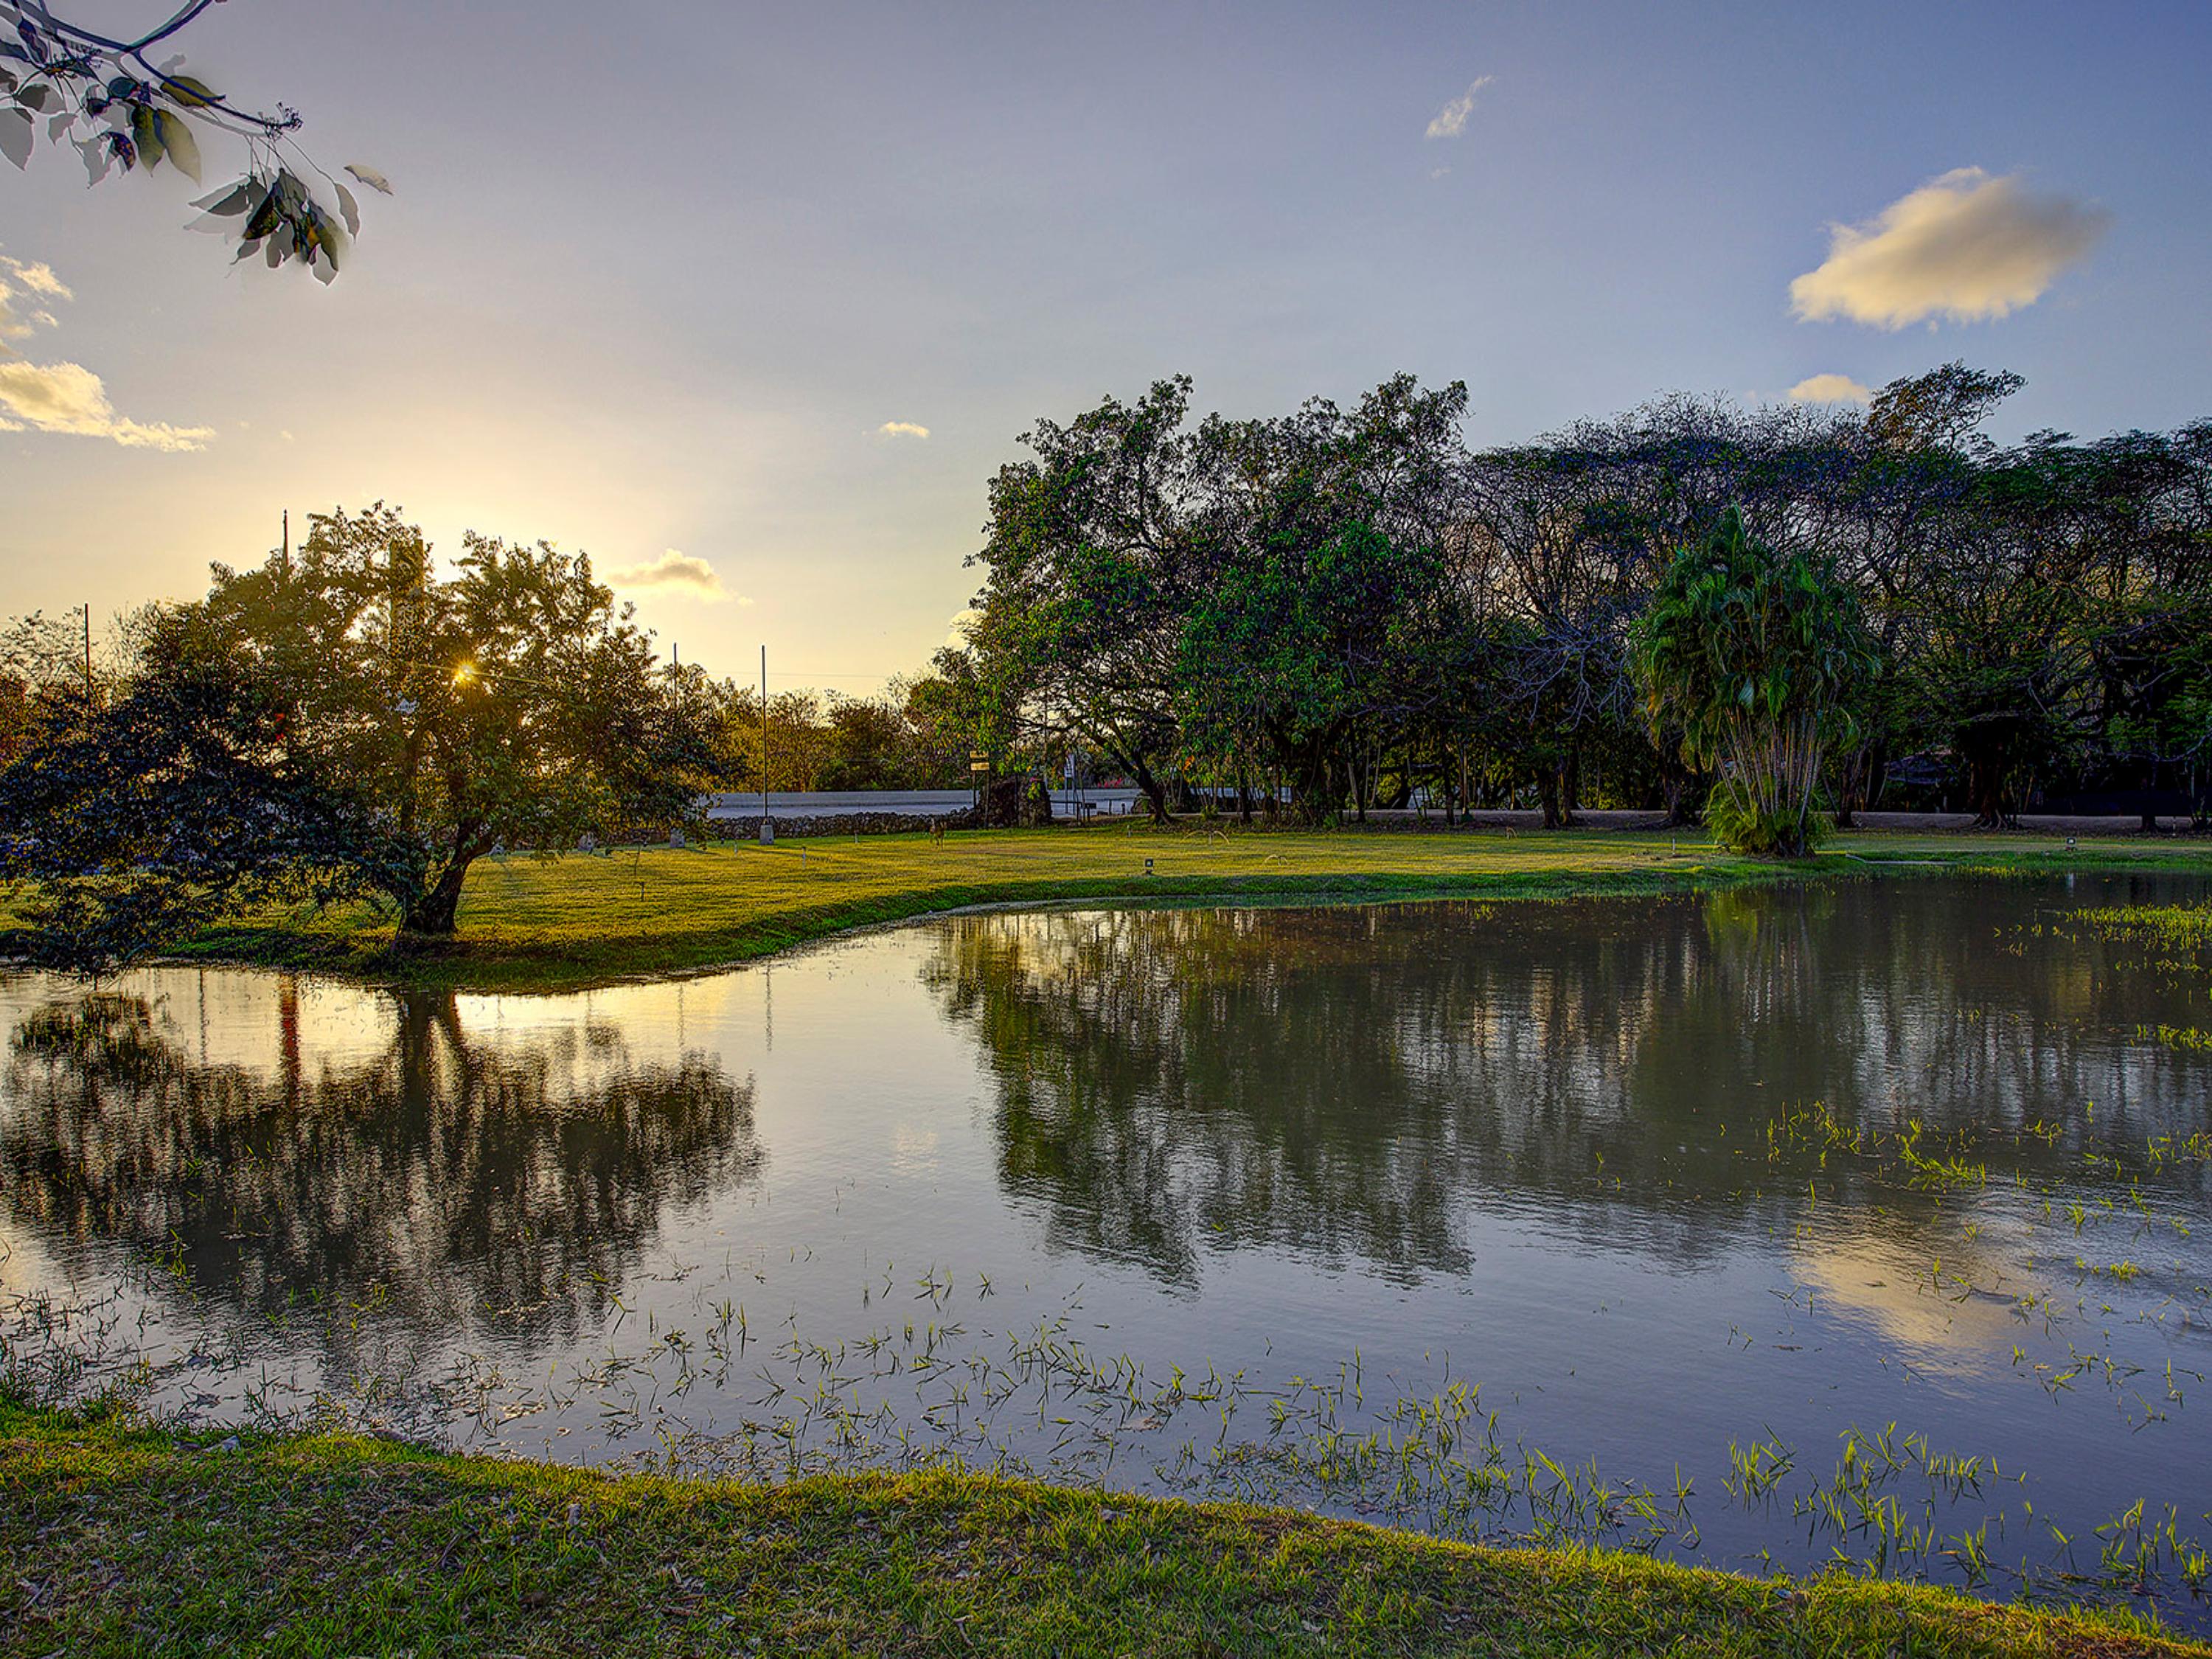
[767, 829]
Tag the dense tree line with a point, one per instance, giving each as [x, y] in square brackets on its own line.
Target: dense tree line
[914, 735]
[1332, 609]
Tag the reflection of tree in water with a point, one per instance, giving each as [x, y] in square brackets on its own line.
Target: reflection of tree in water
[1169, 1077]
[1349, 1082]
[451, 1178]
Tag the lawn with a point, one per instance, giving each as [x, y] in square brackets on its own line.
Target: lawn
[124, 1539]
[551, 923]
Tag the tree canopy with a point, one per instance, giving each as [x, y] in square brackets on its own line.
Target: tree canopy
[342, 720]
[1347, 606]
[1755, 658]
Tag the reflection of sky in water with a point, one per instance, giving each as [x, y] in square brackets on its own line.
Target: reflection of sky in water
[1570, 1153]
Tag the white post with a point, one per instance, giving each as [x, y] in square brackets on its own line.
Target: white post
[768, 828]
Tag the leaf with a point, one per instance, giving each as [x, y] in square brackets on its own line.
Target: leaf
[33, 96]
[189, 92]
[369, 176]
[15, 136]
[350, 210]
[265, 217]
[184, 150]
[147, 133]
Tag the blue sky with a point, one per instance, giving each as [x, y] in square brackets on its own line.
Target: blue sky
[656, 277]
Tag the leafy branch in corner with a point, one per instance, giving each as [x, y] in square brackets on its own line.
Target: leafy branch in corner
[120, 110]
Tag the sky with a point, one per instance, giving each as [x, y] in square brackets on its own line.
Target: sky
[750, 302]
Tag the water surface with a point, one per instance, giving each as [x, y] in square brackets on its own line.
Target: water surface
[1865, 1219]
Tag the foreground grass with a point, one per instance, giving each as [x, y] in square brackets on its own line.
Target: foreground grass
[544, 924]
[125, 1540]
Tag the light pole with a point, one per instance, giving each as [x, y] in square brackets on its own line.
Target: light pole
[767, 829]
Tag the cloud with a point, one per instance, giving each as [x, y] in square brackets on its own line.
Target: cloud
[901, 429]
[960, 628]
[1966, 246]
[1451, 120]
[68, 398]
[63, 397]
[1830, 389]
[39, 278]
[677, 570]
[18, 281]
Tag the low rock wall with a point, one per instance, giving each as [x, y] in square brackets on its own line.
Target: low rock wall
[837, 824]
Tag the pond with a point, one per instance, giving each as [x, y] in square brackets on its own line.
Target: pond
[1859, 1220]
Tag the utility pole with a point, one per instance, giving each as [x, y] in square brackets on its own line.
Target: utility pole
[88, 653]
[767, 829]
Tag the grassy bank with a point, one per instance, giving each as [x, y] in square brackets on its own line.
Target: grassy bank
[544, 924]
[121, 1539]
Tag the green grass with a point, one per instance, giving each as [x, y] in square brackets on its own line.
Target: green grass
[544, 924]
[121, 1539]
[2176, 926]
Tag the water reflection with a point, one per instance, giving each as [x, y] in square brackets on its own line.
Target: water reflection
[1353, 1084]
[1086, 1195]
[446, 1175]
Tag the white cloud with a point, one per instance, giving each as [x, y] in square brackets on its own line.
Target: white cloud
[63, 397]
[1966, 246]
[1830, 389]
[901, 429]
[68, 398]
[1451, 120]
[678, 570]
[18, 281]
[960, 630]
[39, 278]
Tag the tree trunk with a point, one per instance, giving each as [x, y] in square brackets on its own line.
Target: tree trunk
[1848, 780]
[435, 911]
[1986, 789]
[1555, 793]
[1155, 791]
[1547, 796]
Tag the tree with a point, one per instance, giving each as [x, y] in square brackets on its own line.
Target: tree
[1755, 656]
[1312, 616]
[510, 702]
[121, 110]
[1079, 615]
[149, 816]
